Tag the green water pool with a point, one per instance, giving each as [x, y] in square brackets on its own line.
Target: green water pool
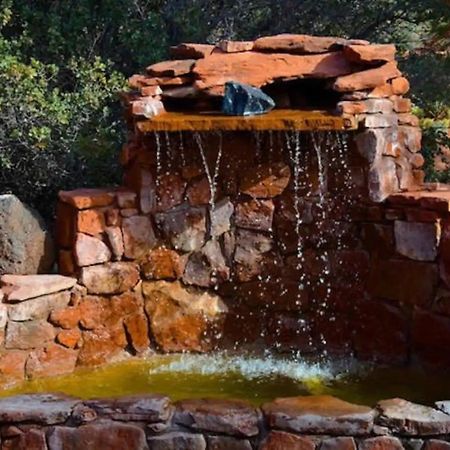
[256, 379]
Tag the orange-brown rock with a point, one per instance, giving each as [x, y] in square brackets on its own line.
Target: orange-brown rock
[136, 326]
[151, 91]
[170, 191]
[66, 263]
[101, 345]
[52, 360]
[321, 414]
[171, 68]
[266, 181]
[258, 69]
[191, 51]
[280, 440]
[401, 105]
[382, 91]
[300, 43]
[370, 54]
[255, 214]
[90, 221]
[182, 319]
[163, 264]
[69, 338]
[367, 79]
[199, 192]
[65, 224]
[67, 318]
[12, 365]
[400, 86]
[87, 198]
[235, 46]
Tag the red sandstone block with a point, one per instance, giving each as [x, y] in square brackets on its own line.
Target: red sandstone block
[370, 54]
[381, 443]
[235, 46]
[191, 51]
[338, 443]
[436, 444]
[381, 333]
[12, 365]
[280, 440]
[401, 105]
[431, 339]
[66, 263]
[87, 198]
[69, 338]
[137, 331]
[90, 221]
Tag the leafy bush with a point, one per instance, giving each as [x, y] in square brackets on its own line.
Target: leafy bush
[58, 126]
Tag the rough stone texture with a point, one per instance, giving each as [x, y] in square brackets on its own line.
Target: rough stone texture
[258, 69]
[220, 217]
[381, 443]
[52, 360]
[29, 440]
[90, 221]
[366, 79]
[181, 318]
[185, 227]
[44, 409]
[418, 241]
[319, 415]
[12, 366]
[136, 326]
[27, 335]
[108, 435]
[171, 68]
[235, 46]
[138, 236]
[338, 443]
[227, 443]
[90, 250]
[411, 419]
[191, 51]
[299, 43]
[115, 240]
[177, 440]
[280, 440]
[18, 288]
[39, 307]
[26, 247]
[229, 417]
[135, 408]
[101, 346]
[383, 179]
[87, 198]
[436, 444]
[111, 278]
[267, 181]
[370, 54]
[163, 264]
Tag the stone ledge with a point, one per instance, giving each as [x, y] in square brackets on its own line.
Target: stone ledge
[142, 422]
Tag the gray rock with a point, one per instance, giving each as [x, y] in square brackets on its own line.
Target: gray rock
[411, 419]
[178, 441]
[244, 100]
[444, 406]
[227, 443]
[45, 409]
[144, 408]
[416, 240]
[39, 307]
[28, 335]
[26, 247]
[231, 417]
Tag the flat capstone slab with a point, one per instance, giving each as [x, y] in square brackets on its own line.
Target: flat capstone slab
[321, 414]
[231, 417]
[47, 409]
[411, 419]
[145, 408]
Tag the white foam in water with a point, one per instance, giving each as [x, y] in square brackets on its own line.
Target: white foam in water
[254, 367]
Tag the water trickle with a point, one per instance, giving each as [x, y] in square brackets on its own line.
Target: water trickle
[158, 157]
[181, 147]
[212, 177]
[169, 151]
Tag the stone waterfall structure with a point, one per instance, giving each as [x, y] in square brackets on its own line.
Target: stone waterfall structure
[308, 229]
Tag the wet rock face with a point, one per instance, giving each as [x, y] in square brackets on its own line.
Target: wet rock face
[26, 246]
[244, 100]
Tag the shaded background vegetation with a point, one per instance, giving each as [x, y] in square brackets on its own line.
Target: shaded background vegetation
[62, 63]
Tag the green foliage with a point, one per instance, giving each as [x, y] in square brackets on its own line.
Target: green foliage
[53, 133]
[63, 61]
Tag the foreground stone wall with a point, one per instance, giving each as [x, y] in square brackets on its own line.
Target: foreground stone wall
[151, 422]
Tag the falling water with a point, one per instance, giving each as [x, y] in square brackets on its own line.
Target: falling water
[158, 157]
[212, 177]
[169, 151]
[181, 147]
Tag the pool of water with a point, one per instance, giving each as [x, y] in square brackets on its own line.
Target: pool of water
[254, 378]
